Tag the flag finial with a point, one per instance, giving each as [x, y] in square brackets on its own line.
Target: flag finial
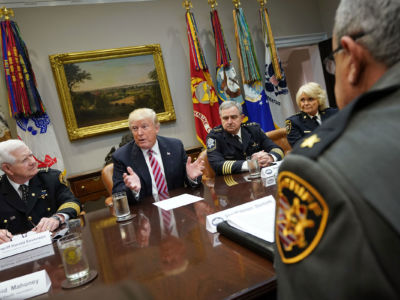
[6, 13]
[212, 3]
[262, 3]
[187, 4]
[236, 3]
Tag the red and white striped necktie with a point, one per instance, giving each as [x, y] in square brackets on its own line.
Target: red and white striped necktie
[159, 178]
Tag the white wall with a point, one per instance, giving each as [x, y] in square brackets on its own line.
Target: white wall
[63, 29]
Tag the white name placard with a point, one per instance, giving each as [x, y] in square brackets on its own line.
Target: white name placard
[26, 286]
[26, 257]
[213, 220]
[25, 242]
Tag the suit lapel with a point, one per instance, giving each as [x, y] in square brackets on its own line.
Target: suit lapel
[245, 138]
[35, 193]
[139, 162]
[232, 141]
[11, 196]
[166, 155]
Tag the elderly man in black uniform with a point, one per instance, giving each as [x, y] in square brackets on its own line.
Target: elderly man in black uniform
[229, 144]
[338, 225]
[311, 99]
[31, 198]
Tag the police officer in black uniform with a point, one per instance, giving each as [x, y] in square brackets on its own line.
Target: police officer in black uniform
[229, 144]
[311, 99]
[31, 198]
[338, 225]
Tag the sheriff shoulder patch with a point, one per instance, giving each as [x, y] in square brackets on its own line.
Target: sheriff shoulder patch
[301, 218]
[211, 144]
[288, 124]
[62, 178]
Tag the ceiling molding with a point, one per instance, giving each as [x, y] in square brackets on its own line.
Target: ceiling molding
[39, 3]
[300, 40]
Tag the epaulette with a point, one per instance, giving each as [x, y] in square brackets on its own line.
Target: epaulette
[43, 170]
[217, 129]
[249, 124]
[298, 113]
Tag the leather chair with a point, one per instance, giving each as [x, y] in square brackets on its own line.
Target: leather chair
[106, 176]
[279, 137]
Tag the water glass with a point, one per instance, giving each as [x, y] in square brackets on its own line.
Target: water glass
[121, 206]
[254, 167]
[73, 257]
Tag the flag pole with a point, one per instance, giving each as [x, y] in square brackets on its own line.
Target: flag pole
[267, 29]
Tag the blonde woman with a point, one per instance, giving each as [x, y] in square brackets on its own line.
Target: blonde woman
[311, 100]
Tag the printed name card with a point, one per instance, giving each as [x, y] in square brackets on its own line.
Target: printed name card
[213, 220]
[25, 242]
[23, 258]
[26, 286]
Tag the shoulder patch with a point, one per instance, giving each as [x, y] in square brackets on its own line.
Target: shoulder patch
[288, 125]
[62, 178]
[301, 218]
[211, 144]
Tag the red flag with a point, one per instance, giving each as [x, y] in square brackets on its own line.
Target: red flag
[205, 100]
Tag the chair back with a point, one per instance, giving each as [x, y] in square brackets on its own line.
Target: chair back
[279, 137]
[208, 172]
[106, 176]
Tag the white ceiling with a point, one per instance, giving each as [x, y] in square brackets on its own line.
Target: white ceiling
[37, 3]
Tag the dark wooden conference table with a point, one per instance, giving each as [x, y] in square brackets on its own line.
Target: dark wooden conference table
[192, 264]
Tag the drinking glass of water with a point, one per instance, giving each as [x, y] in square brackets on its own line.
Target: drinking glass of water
[121, 206]
[75, 262]
[73, 256]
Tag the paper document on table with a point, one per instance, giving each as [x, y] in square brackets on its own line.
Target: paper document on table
[259, 221]
[177, 201]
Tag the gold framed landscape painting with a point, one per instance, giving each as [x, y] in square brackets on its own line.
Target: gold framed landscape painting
[98, 89]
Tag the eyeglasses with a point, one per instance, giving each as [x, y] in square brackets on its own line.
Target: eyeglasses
[329, 61]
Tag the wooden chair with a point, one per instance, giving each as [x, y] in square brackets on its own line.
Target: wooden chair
[208, 172]
[106, 176]
[279, 137]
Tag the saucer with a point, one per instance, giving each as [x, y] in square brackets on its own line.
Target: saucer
[70, 285]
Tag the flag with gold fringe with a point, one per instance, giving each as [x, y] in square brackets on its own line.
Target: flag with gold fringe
[205, 100]
[228, 87]
[276, 88]
[254, 94]
[25, 104]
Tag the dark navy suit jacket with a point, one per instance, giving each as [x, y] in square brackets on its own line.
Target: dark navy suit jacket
[47, 195]
[174, 160]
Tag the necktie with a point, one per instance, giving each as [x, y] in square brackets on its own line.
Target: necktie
[158, 175]
[236, 137]
[24, 193]
[315, 120]
[166, 217]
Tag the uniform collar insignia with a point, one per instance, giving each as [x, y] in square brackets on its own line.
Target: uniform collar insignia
[310, 141]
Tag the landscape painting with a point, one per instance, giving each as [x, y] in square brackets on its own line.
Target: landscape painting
[98, 89]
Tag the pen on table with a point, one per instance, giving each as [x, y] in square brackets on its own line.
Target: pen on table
[33, 224]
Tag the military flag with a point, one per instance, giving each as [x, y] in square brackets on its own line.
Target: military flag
[25, 104]
[255, 97]
[228, 87]
[280, 101]
[205, 100]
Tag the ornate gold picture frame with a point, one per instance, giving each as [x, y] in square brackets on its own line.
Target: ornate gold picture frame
[98, 89]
